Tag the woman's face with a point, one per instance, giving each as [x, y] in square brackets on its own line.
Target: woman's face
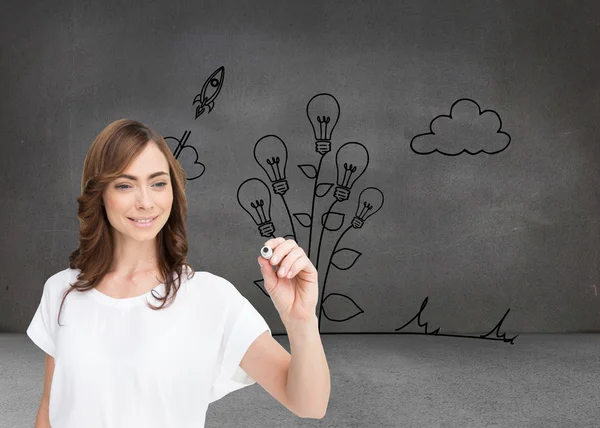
[142, 192]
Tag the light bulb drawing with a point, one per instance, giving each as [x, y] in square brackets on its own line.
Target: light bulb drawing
[270, 152]
[351, 160]
[323, 112]
[254, 197]
[370, 201]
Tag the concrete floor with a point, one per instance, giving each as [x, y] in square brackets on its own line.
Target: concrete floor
[392, 381]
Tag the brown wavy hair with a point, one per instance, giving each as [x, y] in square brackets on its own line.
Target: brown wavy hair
[108, 157]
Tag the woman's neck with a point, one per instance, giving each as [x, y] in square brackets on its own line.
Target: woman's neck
[131, 257]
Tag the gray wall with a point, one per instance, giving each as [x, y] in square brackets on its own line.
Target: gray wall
[481, 236]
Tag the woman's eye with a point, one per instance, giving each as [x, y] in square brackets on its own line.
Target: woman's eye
[127, 186]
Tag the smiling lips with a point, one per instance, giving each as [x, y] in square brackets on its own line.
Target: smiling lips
[143, 223]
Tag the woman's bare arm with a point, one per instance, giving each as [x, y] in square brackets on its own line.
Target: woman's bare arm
[43, 416]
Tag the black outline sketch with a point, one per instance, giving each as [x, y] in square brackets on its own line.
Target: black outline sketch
[322, 134]
[352, 159]
[255, 207]
[181, 144]
[271, 165]
[499, 131]
[216, 81]
[436, 332]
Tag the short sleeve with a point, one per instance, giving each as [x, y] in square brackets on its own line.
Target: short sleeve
[41, 330]
[242, 331]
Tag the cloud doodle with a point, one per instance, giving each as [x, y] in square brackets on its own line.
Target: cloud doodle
[194, 168]
[467, 129]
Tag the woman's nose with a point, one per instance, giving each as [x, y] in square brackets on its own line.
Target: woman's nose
[144, 200]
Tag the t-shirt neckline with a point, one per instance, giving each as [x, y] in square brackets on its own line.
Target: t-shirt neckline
[127, 301]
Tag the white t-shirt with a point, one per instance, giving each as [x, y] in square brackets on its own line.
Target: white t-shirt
[118, 363]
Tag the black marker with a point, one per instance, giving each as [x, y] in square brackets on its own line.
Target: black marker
[267, 253]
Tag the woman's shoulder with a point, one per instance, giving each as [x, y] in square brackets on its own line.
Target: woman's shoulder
[209, 282]
[199, 278]
[64, 275]
[60, 281]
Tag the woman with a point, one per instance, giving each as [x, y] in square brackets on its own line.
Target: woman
[134, 337]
